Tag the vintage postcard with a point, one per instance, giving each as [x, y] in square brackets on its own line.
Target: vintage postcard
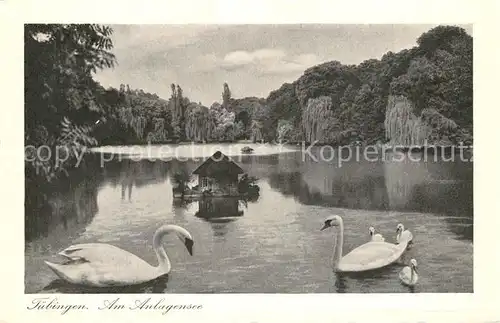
[165, 163]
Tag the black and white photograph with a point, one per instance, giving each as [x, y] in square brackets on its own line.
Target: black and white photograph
[248, 158]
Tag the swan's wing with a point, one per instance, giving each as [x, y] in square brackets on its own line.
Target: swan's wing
[102, 274]
[378, 237]
[371, 255]
[405, 274]
[101, 253]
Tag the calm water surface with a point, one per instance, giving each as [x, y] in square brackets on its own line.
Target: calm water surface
[273, 244]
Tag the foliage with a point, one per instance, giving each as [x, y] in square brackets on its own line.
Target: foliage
[435, 76]
[181, 180]
[59, 62]
[62, 103]
[406, 128]
[225, 124]
[135, 116]
[200, 124]
[285, 104]
[316, 117]
[285, 130]
[248, 185]
[226, 96]
[262, 126]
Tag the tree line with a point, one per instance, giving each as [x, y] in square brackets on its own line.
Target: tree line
[421, 92]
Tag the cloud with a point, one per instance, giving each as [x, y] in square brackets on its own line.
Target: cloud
[265, 61]
[240, 58]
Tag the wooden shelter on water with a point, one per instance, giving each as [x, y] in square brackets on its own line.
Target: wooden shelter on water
[219, 175]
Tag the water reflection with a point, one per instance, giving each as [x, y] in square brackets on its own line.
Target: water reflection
[366, 282]
[219, 209]
[124, 202]
[390, 185]
[219, 212]
[158, 285]
[71, 211]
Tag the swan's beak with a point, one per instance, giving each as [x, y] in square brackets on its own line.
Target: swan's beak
[325, 226]
[189, 245]
[415, 268]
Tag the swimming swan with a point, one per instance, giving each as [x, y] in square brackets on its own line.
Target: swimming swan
[369, 256]
[375, 237]
[409, 275]
[399, 230]
[104, 265]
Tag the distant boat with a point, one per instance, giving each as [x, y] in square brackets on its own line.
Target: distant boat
[247, 150]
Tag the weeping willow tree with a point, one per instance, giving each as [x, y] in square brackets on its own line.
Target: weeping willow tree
[126, 115]
[137, 123]
[403, 127]
[199, 124]
[256, 131]
[318, 120]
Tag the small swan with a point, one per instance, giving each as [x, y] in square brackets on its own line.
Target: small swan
[104, 265]
[375, 237]
[399, 231]
[369, 256]
[409, 274]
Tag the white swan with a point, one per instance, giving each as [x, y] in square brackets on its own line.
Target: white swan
[104, 265]
[375, 237]
[399, 231]
[369, 256]
[409, 275]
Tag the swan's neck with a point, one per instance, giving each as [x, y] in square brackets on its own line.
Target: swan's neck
[412, 275]
[164, 264]
[339, 243]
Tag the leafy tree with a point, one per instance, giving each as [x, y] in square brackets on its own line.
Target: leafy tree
[285, 130]
[59, 89]
[62, 103]
[435, 76]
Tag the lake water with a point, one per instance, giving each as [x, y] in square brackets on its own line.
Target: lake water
[273, 244]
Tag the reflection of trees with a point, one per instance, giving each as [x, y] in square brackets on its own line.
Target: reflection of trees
[431, 187]
[258, 165]
[71, 211]
[401, 187]
[129, 173]
[401, 177]
[454, 199]
[365, 193]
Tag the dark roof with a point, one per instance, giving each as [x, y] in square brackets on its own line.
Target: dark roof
[218, 164]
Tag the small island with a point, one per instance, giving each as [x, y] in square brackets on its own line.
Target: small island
[218, 176]
[246, 150]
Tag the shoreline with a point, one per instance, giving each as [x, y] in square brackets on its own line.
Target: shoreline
[387, 148]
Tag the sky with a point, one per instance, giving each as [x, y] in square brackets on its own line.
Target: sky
[253, 59]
